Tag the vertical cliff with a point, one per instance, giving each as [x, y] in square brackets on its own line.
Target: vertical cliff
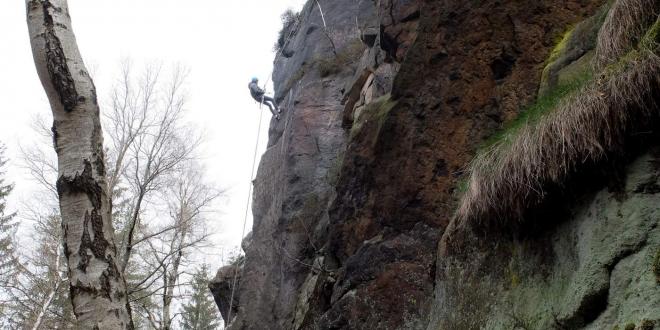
[385, 108]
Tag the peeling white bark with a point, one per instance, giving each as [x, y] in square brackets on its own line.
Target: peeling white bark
[98, 288]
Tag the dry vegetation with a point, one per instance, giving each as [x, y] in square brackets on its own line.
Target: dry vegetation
[624, 25]
[585, 126]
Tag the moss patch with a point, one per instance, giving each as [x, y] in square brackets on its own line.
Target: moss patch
[376, 111]
[651, 38]
[334, 172]
[560, 46]
[571, 48]
[543, 105]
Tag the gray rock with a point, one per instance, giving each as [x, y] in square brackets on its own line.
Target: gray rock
[593, 271]
[226, 280]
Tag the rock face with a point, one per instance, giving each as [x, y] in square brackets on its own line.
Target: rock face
[596, 270]
[221, 288]
[383, 110]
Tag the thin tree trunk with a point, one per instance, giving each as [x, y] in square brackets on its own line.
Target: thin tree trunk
[97, 286]
[166, 300]
[51, 296]
[133, 222]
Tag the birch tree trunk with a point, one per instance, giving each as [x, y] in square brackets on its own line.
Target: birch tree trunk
[97, 286]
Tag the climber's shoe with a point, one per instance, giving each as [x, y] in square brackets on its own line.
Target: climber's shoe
[277, 117]
[279, 110]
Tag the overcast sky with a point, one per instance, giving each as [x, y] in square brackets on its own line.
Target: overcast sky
[224, 43]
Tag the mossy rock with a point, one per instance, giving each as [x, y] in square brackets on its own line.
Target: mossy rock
[576, 70]
[375, 111]
[570, 48]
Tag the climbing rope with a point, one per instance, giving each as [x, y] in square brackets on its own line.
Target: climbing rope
[254, 158]
[254, 161]
[247, 207]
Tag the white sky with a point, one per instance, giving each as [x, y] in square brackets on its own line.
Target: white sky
[224, 43]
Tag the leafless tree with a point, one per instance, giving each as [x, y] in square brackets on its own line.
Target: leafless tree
[148, 142]
[187, 201]
[147, 161]
[149, 145]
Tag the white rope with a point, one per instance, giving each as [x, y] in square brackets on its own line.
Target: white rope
[247, 207]
[254, 161]
[322, 16]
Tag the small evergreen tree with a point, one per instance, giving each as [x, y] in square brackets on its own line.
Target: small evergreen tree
[8, 259]
[200, 312]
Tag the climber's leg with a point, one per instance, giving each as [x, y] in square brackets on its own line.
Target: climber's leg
[271, 105]
[272, 101]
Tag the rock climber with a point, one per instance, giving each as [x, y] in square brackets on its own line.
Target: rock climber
[259, 95]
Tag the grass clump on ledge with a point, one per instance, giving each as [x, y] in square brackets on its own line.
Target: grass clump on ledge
[546, 103]
[625, 23]
[511, 173]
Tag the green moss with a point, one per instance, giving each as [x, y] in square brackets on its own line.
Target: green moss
[575, 41]
[650, 42]
[543, 105]
[651, 38]
[376, 111]
[462, 185]
[630, 326]
[560, 46]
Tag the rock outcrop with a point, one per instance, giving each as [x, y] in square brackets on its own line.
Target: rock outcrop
[221, 287]
[354, 201]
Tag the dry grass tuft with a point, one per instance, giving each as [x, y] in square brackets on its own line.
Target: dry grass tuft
[625, 23]
[584, 127]
[510, 176]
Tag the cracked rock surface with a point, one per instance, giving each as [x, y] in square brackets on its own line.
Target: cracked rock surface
[596, 270]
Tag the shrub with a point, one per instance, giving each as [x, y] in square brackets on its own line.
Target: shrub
[290, 21]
